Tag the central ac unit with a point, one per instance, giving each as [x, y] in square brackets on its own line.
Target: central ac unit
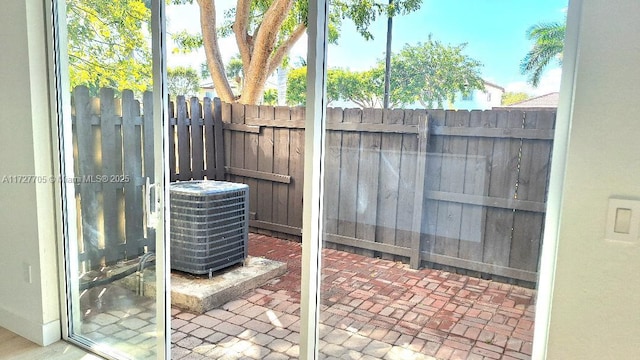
[209, 225]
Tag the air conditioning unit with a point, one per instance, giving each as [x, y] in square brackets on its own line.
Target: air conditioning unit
[209, 225]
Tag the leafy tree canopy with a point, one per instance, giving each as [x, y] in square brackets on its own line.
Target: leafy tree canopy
[265, 31]
[108, 44]
[548, 44]
[428, 73]
[509, 98]
[183, 81]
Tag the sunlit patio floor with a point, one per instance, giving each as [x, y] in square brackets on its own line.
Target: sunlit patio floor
[371, 309]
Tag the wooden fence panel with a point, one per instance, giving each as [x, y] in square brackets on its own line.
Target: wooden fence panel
[111, 139]
[476, 205]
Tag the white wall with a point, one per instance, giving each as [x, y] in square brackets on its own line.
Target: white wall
[27, 211]
[595, 308]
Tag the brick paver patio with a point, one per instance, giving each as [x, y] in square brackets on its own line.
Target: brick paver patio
[371, 309]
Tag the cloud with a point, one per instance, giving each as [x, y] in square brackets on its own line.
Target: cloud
[549, 82]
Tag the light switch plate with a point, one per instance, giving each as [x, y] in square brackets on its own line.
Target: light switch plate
[621, 207]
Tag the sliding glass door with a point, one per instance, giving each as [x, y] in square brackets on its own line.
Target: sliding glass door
[110, 112]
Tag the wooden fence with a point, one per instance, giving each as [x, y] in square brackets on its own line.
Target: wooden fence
[455, 189]
[111, 139]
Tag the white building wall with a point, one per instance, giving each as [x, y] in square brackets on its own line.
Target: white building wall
[29, 299]
[595, 308]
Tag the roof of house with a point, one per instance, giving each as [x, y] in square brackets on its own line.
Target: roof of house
[493, 85]
[549, 100]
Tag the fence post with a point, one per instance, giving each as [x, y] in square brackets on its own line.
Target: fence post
[421, 159]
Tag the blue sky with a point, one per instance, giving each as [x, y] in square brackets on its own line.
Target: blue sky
[494, 31]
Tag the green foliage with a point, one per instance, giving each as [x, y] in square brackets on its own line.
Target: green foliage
[109, 44]
[297, 85]
[270, 97]
[183, 81]
[185, 42]
[428, 73]
[509, 98]
[365, 12]
[258, 22]
[548, 44]
[432, 73]
[235, 72]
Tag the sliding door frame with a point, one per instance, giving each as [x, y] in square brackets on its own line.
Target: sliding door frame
[66, 215]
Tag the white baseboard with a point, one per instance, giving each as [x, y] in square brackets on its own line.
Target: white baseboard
[41, 334]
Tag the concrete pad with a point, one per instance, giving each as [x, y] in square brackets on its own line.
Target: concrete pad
[201, 294]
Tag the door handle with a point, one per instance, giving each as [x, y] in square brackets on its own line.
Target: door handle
[152, 203]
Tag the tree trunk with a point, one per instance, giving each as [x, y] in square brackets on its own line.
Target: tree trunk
[212, 50]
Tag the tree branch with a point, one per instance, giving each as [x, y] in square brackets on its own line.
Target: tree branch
[264, 43]
[284, 48]
[212, 50]
[240, 26]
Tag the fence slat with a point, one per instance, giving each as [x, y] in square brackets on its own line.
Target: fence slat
[453, 166]
[265, 164]
[172, 135]
[332, 174]
[368, 172]
[349, 182]
[407, 183]
[419, 201]
[209, 139]
[197, 143]
[236, 142]
[476, 184]
[90, 239]
[534, 172]
[218, 136]
[504, 173]
[296, 170]
[149, 157]
[281, 152]
[110, 152]
[389, 181]
[132, 148]
[183, 138]
[251, 149]
[433, 174]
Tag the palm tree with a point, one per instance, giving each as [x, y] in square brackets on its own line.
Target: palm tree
[548, 45]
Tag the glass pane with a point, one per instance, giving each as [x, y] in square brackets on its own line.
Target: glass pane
[110, 139]
[247, 307]
[434, 205]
